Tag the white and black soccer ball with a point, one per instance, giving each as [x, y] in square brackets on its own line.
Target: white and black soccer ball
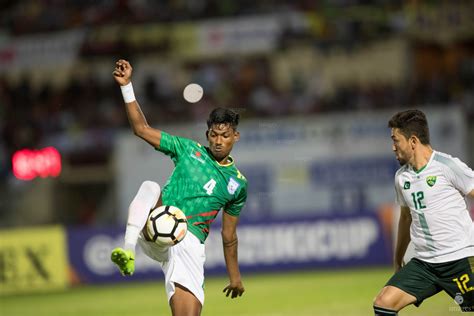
[167, 225]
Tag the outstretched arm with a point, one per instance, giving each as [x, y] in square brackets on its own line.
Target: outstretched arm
[230, 243]
[123, 75]
[403, 237]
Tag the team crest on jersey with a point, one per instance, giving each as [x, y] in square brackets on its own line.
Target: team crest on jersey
[406, 185]
[197, 155]
[232, 186]
[431, 180]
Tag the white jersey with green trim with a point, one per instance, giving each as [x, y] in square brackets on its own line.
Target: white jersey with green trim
[442, 229]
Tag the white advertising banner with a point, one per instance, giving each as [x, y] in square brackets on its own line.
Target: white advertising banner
[254, 34]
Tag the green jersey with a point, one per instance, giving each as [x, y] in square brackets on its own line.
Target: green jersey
[199, 185]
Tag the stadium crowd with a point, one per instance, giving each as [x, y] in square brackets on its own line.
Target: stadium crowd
[30, 16]
[30, 115]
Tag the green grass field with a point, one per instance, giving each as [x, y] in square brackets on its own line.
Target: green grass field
[332, 293]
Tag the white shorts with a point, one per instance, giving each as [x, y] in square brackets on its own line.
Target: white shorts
[182, 264]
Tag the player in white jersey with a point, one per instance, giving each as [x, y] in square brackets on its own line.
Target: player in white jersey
[430, 188]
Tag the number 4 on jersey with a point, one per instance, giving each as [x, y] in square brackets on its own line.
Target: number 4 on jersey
[209, 186]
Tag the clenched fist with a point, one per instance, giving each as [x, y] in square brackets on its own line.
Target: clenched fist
[123, 72]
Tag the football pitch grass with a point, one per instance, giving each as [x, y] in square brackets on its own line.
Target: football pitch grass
[309, 293]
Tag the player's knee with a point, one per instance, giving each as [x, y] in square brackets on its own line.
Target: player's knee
[383, 306]
[151, 187]
[383, 301]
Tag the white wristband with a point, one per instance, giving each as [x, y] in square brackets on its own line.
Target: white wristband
[127, 93]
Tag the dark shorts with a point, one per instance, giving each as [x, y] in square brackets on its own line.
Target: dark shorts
[423, 279]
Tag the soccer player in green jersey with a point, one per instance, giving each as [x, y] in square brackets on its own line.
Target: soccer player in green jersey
[430, 187]
[204, 181]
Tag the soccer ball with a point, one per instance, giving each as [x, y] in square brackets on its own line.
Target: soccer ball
[167, 225]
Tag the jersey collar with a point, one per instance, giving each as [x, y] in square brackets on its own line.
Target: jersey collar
[230, 163]
[424, 167]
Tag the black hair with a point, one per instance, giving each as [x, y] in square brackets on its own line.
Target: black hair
[223, 116]
[411, 122]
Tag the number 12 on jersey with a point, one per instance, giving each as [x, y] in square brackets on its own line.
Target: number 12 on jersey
[418, 200]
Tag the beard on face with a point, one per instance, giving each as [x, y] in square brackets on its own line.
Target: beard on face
[401, 161]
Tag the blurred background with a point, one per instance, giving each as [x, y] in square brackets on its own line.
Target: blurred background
[315, 83]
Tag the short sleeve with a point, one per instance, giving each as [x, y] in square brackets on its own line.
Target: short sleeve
[173, 146]
[461, 176]
[235, 206]
[398, 193]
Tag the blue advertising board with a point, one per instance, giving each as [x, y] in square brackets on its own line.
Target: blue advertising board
[322, 242]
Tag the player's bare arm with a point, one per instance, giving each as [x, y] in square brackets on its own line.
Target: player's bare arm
[403, 238]
[230, 243]
[123, 75]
